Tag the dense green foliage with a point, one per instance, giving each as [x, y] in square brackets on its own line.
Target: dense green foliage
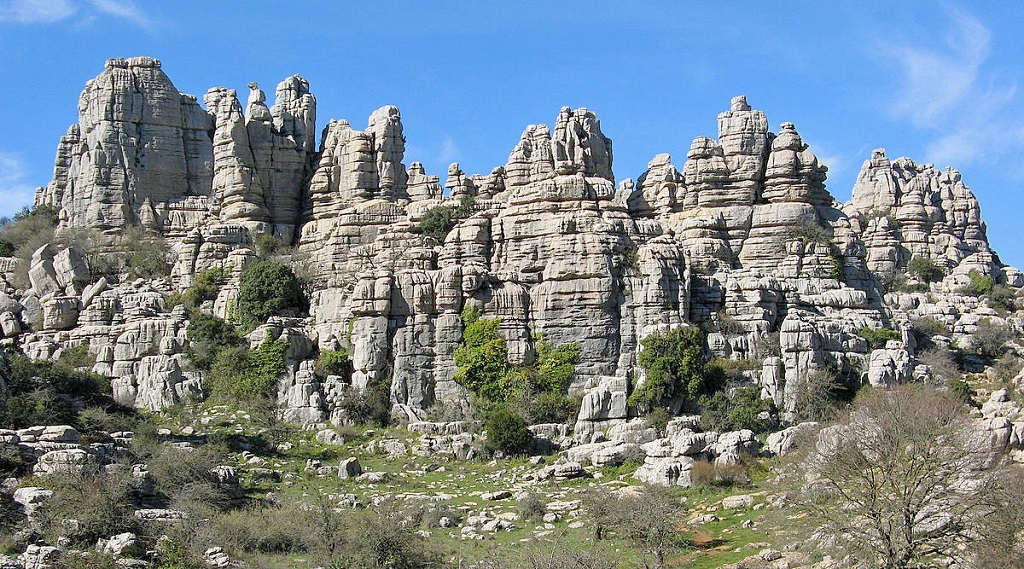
[483, 367]
[266, 288]
[207, 336]
[54, 392]
[980, 285]
[507, 432]
[925, 269]
[247, 375]
[483, 358]
[742, 408]
[205, 286]
[676, 366]
[877, 337]
[438, 221]
[332, 362]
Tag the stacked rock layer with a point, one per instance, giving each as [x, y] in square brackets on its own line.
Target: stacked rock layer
[742, 238]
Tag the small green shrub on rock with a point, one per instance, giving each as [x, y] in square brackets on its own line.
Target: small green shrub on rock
[676, 366]
[507, 432]
[877, 337]
[266, 288]
[925, 269]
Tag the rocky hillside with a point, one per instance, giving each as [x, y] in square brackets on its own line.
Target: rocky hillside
[743, 239]
[332, 304]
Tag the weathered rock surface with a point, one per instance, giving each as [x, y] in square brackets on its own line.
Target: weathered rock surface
[742, 239]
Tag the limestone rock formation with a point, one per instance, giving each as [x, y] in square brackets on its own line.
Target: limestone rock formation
[741, 238]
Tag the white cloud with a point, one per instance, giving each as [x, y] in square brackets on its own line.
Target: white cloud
[124, 9]
[36, 11]
[86, 11]
[15, 192]
[951, 90]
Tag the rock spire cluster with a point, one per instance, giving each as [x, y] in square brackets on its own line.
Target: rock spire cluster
[742, 238]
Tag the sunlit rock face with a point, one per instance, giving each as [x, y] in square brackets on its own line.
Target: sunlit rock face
[740, 237]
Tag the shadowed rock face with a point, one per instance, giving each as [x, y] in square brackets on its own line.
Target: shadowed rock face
[743, 238]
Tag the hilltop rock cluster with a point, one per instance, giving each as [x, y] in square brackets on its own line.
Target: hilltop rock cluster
[742, 239]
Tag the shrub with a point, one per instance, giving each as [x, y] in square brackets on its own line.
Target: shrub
[248, 375]
[207, 336]
[332, 362]
[924, 329]
[267, 245]
[819, 396]
[371, 406]
[979, 286]
[99, 499]
[556, 365]
[482, 358]
[990, 339]
[48, 393]
[438, 221]
[676, 367]
[925, 269]
[809, 232]
[531, 506]
[146, 252]
[877, 337]
[508, 432]
[704, 474]
[266, 288]
[658, 418]
[1003, 298]
[205, 287]
[742, 408]
[941, 363]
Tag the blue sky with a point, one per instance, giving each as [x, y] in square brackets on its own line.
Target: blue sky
[937, 82]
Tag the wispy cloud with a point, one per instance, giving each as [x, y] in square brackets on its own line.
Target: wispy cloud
[448, 152]
[53, 11]
[124, 9]
[16, 192]
[36, 11]
[950, 89]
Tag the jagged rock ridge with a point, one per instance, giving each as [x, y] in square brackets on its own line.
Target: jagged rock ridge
[743, 239]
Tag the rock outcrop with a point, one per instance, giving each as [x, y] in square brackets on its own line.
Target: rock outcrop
[743, 240]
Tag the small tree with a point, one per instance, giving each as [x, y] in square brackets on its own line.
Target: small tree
[508, 433]
[676, 366]
[903, 477]
[925, 269]
[267, 288]
[990, 338]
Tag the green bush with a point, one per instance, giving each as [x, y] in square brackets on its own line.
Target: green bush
[247, 375]
[925, 269]
[207, 336]
[438, 221]
[52, 392]
[508, 432]
[979, 285]
[740, 409]
[332, 362]
[482, 358]
[676, 366]
[205, 287]
[266, 288]
[990, 339]
[1003, 298]
[877, 337]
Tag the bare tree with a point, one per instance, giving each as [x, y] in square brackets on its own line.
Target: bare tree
[902, 477]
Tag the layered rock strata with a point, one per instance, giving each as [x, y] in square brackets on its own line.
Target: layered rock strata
[743, 239]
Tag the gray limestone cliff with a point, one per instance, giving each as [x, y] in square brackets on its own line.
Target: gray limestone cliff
[742, 238]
